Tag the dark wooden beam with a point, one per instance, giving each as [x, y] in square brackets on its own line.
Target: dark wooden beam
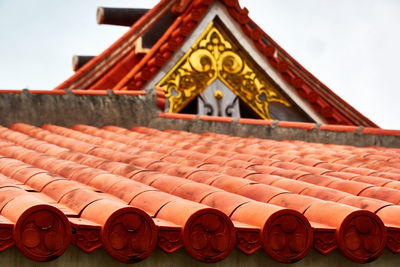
[79, 61]
[119, 16]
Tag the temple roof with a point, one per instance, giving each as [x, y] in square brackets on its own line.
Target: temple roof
[125, 65]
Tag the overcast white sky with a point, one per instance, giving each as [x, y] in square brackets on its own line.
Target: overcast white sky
[353, 46]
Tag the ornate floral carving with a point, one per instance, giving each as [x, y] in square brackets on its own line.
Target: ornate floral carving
[215, 55]
[393, 240]
[325, 241]
[248, 241]
[6, 238]
[169, 240]
[87, 239]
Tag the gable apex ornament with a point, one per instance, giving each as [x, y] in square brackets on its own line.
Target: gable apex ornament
[215, 55]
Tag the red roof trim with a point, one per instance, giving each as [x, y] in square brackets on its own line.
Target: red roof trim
[178, 116]
[255, 121]
[295, 124]
[145, 75]
[91, 65]
[172, 39]
[112, 76]
[215, 118]
[378, 131]
[339, 128]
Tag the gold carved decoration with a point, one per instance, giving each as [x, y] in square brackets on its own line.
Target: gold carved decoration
[214, 56]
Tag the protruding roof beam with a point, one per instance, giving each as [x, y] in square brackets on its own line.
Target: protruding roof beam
[79, 61]
[119, 16]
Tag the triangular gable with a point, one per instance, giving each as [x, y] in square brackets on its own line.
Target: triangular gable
[217, 56]
[269, 90]
[318, 101]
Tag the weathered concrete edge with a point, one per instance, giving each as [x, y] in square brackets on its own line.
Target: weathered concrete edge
[277, 133]
[67, 110]
[130, 110]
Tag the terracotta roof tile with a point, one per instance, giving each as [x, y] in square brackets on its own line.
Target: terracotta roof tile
[245, 192]
[168, 184]
[73, 198]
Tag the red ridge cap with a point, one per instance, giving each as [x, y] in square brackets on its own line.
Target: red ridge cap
[339, 128]
[160, 98]
[215, 118]
[255, 121]
[178, 116]
[295, 124]
[284, 124]
[378, 131]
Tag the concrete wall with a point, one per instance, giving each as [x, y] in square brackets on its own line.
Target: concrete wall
[130, 110]
[70, 109]
[277, 133]
[99, 258]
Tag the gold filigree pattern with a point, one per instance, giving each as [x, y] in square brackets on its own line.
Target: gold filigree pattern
[214, 56]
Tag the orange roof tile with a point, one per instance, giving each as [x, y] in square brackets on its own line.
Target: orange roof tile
[157, 188]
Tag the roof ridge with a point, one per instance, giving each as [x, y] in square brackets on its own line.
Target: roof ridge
[309, 126]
